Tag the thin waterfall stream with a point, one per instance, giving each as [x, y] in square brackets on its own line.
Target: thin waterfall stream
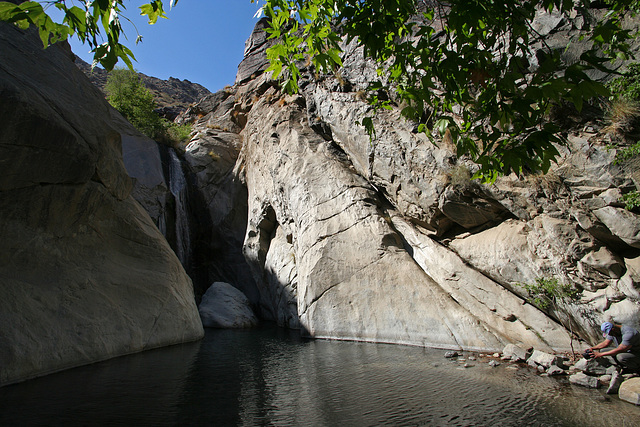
[180, 191]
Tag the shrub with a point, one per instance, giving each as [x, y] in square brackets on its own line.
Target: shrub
[547, 292]
[624, 107]
[176, 133]
[631, 200]
[627, 86]
[623, 115]
[126, 93]
[627, 153]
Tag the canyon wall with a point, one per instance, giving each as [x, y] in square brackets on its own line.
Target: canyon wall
[85, 273]
[389, 240]
[322, 228]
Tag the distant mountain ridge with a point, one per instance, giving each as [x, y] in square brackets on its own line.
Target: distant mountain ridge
[172, 96]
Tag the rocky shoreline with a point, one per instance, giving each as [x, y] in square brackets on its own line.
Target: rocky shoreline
[590, 373]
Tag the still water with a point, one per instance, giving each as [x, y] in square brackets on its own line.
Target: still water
[269, 376]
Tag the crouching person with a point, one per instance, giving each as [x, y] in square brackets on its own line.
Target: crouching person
[626, 351]
[626, 343]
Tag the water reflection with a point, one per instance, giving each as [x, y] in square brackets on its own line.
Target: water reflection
[269, 376]
[140, 389]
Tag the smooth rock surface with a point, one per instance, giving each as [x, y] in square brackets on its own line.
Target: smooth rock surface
[224, 306]
[514, 353]
[630, 391]
[354, 277]
[584, 380]
[84, 273]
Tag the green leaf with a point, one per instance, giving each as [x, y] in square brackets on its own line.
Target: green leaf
[76, 19]
[442, 125]
[153, 11]
[8, 11]
[276, 67]
[335, 56]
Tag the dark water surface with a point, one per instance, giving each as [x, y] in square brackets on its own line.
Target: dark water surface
[269, 376]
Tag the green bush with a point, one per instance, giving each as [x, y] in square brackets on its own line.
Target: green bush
[627, 87]
[631, 200]
[126, 93]
[176, 133]
[628, 84]
[627, 153]
[546, 292]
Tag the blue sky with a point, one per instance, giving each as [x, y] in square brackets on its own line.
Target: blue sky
[202, 41]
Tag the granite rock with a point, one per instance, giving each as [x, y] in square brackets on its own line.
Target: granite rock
[224, 306]
[85, 274]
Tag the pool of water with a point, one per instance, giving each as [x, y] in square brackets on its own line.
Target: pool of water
[270, 376]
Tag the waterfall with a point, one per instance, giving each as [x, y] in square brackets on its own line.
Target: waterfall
[179, 189]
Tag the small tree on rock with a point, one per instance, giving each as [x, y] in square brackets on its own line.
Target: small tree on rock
[126, 93]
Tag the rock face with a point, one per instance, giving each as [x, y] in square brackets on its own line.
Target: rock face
[323, 229]
[255, 58]
[172, 96]
[224, 306]
[389, 240]
[355, 277]
[84, 273]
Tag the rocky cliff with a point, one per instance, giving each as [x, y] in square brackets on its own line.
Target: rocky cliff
[84, 272]
[323, 229]
[389, 240]
[172, 96]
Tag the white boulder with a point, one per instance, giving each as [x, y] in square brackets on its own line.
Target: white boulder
[224, 306]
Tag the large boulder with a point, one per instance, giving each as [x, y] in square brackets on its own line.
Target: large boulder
[85, 275]
[224, 306]
[630, 391]
[622, 223]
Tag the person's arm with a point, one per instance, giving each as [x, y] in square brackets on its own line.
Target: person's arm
[603, 344]
[619, 349]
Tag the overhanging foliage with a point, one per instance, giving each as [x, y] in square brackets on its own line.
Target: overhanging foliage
[475, 71]
[90, 21]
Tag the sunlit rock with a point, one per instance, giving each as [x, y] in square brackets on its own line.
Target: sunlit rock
[630, 391]
[584, 380]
